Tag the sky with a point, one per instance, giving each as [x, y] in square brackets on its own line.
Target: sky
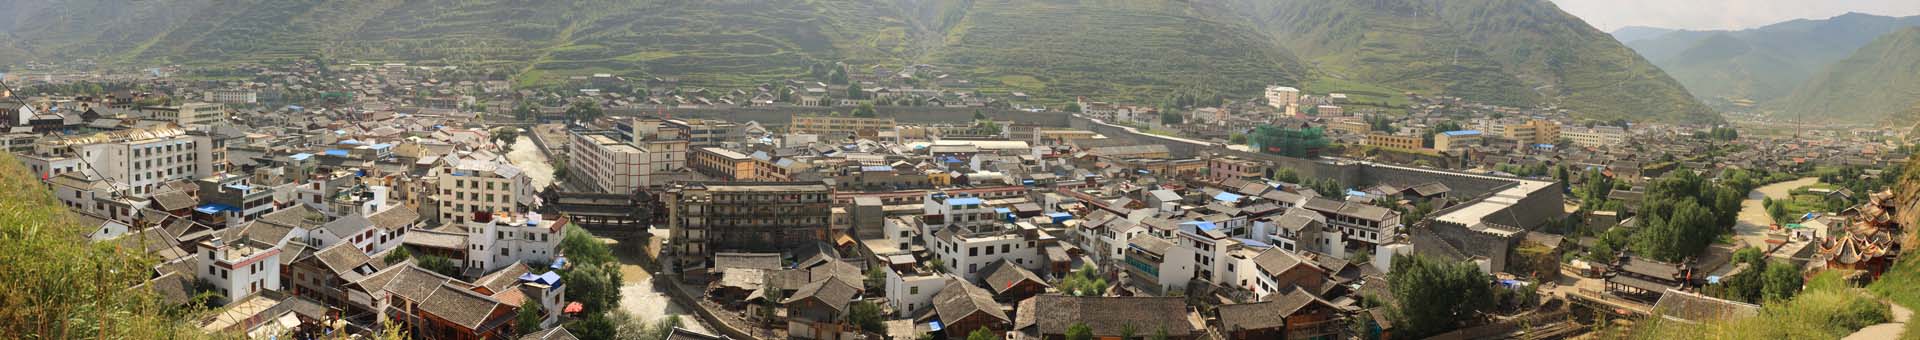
[1609, 15]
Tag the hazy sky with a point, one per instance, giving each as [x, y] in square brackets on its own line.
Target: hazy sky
[1609, 15]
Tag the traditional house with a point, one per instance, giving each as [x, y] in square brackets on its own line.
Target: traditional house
[1295, 315]
[1645, 279]
[1011, 283]
[961, 308]
[1048, 317]
[819, 309]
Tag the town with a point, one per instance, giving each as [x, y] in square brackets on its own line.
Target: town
[318, 199]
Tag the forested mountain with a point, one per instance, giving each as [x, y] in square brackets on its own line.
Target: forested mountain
[1762, 65]
[1517, 52]
[1878, 82]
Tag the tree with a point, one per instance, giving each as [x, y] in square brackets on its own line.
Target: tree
[1159, 334]
[593, 327]
[865, 110]
[1436, 296]
[560, 169]
[438, 265]
[1079, 331]
[1170, 118]
[1237, 138]
[586, 110]
[979, 115]
[1781, 281]
[398, 254]
[982, 333]
[854, 92]
[1073, 107]
[529, 317]
[876, 278]
[596, 287]
[868, 316]
[582, 248]
[524, 111]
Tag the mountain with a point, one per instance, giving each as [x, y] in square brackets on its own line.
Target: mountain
[1517, 52]
[1630, 34]
[1876, 83]
[1761, 64]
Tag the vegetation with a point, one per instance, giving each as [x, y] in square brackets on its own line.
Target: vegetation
[1871, 85]
[868, 317]
[1436, 296]
[529, 317]
[1763, 280]
[61, 286]
[982, 333]
[1762, 64]
[1828, 309]
[1683, 214]
[438, 265]
[1084, 282]
[594, 281]
[1079, 331]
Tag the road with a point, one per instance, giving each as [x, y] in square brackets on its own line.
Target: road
[640, 296]
[1753, 222]
[527, 156]
[1890, 330]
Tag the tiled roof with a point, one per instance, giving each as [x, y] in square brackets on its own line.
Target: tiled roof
[959, 300]
[1106, 316]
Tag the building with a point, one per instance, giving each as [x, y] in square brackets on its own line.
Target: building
[1298, 142]
[723, 164]
[136, 160]
[1357, 221]
[707, 217]
[1234, 167]
[1329, 111]
[1158, 265]
[1535, 131]
[466, 186]
[839, 126]
[710, 132]
[495, 240]
[1381, 140]
[1296, 315]
[1280, 97]
[189, 114]
[599, 159]
[234, 96]
[1049, 316]
[1456, 140]
[239, 268]
[1598, 136]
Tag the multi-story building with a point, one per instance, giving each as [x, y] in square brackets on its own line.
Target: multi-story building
[232, 199]
[1382, 140]
[841, 126]
[601, 160]
[1357, 221]
[1534, 131]
[966, 251]
[1598, 136]
[768, 216]
[234, 96]
[495, 240]
[1158, 265]
[189, 114]
[710, 132]
[1222, 168]
[1280, 97]
[465, 186]
[136, 160]
[239, 268]
[1456, 140]
[210, 152]
[723, 164]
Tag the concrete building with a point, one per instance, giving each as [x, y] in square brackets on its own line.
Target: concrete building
[770, 216]
[1280, 97]
[1535, 131]
[496, 240]
[234, 96]
[710, 132]
[1382, 140]
[189, 114]
[723, 164]
[239, 268]
[465, 186]
[1598, 136]
[1456, 140]
[136, 160]
[601, 160]
[840, 127]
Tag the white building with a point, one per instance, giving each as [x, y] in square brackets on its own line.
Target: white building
[909, 293]
[611, 165]
[234, 96]
[136, 160]
[1598, 136]
[464, 186]
[239, 268]
[502, 239]
[189, 114]
[1280, 97]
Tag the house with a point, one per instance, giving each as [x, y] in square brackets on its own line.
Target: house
[1644, 279]
[1294, 315]
[819, 310]
[961, 308]
[1693, 307]
[1048, 317]
[1282, 271]
[1011, 283]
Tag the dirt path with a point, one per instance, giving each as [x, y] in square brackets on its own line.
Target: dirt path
[1753, 222]
[1890, 330]
[646, 299]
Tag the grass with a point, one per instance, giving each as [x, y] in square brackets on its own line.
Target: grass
[1901, 284]
[1827, 309]
[1359, 94]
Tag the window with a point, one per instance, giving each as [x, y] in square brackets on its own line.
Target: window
[973, 267]
[973, 251]
[989, 250]
[913, 290]
[1003, 247]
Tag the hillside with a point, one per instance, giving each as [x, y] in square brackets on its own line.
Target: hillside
[1876, 83]
[1761, 64]
[1630, 34]
[1516, 52]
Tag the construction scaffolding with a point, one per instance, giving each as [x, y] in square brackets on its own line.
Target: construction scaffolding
[1297, 142]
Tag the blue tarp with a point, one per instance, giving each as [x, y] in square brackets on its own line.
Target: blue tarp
[1004, 212]
[935, 326]
[1060, 217]
[214, 208]
[351, 142]
[1202, 225]
[559, 263]
[1253, 243]
[549, 278]
[1461, 133]
[301, 156]
[240, 187]
[1227, 197]
[1351, 192]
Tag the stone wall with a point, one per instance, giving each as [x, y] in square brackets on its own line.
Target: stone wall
[782, 115]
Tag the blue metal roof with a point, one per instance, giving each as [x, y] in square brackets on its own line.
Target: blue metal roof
[1253, 243]
[301, 156]
[214, 208]
[1060, 215]
[1202, 225]
[1461, 133]
[1227, 196]
[964, 201]
[336, 152]
[876, 168]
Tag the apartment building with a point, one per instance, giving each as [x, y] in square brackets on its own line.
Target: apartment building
[1381, 140]
[498, 239]
[1222, 168]
[840, 126]
[710, 132]
[1357, 221]
[1456, 140]
[188, 114]
[1598, 136]
[136, 160]
[1280, 97]
[767, 216]
[723, 164]
[600, 159]
[239, 268]
[1534, 131]
[465, 186]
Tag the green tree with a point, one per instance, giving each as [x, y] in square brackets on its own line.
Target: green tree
[582, 248]
[595, 287]
[524, 111]
[1782, 281]
[854, 92]
[1073, 107]
[1170, 118]
[438, 265]
[586, 110]
[1436, 296]
[398, 254]
[1079, 331]
[1159, 334]
[876, 278]
[982, 333]
[979, 115]
[1237, 138]
[529, 317]
[868, 316]
[865, 110]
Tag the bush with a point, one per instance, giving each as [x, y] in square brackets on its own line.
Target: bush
[1828, 309]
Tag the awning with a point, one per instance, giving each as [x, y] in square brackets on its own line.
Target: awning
[574, 307]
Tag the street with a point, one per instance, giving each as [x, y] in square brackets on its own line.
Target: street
[1754, 222]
